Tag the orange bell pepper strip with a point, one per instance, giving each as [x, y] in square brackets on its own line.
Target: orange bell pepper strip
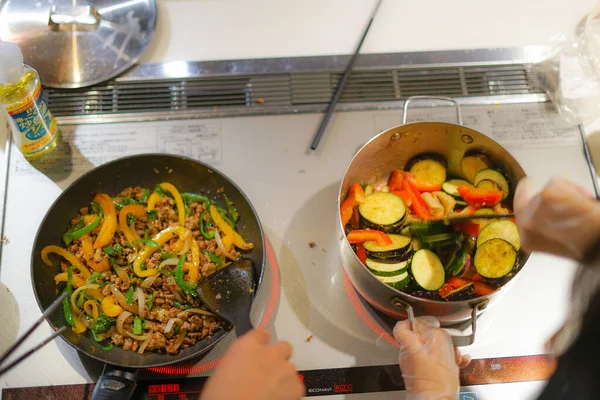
[405, 196]
[355, 220]
[88, 253]
[361, 253]
[110, 308]
[477, 278]
[369, 235]
[152, 200]
[427, 187]
[161, 238]
[238, 241]
[396, 182]
[470, 228]
[67, 256]
[452, 285]
[135, 210]
[418, 204]
[91, 308]
[109, 222]
[482, 289]
[479, 197]
[356, 195]
[167, 187]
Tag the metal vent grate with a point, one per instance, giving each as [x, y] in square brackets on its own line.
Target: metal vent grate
[259, 93]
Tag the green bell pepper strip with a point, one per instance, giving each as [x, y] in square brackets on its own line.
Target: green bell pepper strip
[159, 191]
[94, 277]
[147, 242]
[225, 217]
[188, 288]
[129, 295]
[149, 301]
[108, 348]
[125, 201]
[137, 326]
[232, 210]
[213, 258]
[203, 225]
[66, 302]
[79, 230]
[194, 198]
[145, 196]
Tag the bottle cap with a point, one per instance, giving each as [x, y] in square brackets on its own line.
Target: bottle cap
[11, 63]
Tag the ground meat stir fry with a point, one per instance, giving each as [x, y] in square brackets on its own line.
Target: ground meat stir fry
[132, 262]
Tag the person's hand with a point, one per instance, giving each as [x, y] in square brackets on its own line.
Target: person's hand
[428, 360]
[563, 219]
[255, 370]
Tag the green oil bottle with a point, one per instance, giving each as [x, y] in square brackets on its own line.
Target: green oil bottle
[33, 126]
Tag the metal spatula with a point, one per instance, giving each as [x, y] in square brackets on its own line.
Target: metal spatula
[229, 293]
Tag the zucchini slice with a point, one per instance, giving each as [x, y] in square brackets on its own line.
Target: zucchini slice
[488, 185]
[429, 171]
[500, 229]
[483, 222]
[399, 281]
[399, 247]
[494, 176]
[451, 186]
[457, 263]
[471, 165]
[427, 269]
[382, 211]
[384, 269]
[495, 258]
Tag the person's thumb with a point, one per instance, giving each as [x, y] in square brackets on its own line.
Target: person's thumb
[258, 335]
[525, 191]
[408, 340]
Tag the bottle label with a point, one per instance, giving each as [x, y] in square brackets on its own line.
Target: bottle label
[34, 121]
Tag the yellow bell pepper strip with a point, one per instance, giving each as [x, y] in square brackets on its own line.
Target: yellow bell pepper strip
[76, 281]
[227, 241]
[192, 270]
[67, 256]
[110, 308]
[88, 253]
[109, 223]
[161, 238]
[152, 200]
[79, 326]
[87, 224]
[228, 230]
[178, 200]
[133, 209]
[195, 253]
[180, 243]
[188, 288]
[91, 308]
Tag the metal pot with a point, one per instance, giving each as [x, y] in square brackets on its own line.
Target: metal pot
[373, 164]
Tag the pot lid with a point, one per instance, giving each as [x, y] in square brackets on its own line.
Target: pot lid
[76, 43]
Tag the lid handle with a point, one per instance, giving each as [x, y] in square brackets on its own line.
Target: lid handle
[78, 18]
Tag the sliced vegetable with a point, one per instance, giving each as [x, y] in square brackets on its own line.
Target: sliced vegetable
[81, 229]
[482, 289]
[451, 186]
[109, 223]
[228, 230]
[398, 245]
[488, 185]
[398, 282]
[355, 196]
[418, 204]
[427, 270]
[125, 201]
[110, 308]
[495, 177]
[382, 211]
[167, 187]
[145, 196]
[67, 256]
[361, 253]
[113, 251]
[102, 324]
[369, 235]
[213, 258]
[396, 181]
[204, 225]
[129, 295]
[137, 326]
[454, 285]
[384, 269]
[457, 263]
[495, 258]
[429, 173]
[500, 229]
[405, 196]
[232, 210]
[471, 165]
[479, 197]
[189, 198]
[136, 210]
[188, 288]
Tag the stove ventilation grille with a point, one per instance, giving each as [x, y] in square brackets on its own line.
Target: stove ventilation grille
[288, 92]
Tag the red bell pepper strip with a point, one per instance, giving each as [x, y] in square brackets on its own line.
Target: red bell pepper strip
[479, 197]
[369, 235]
[477, 278]
[396, 180]
[361, 253]
[453, 284]
[355, 220]
[356, 195]
[482, 289]
[427, 187]
[418, 203]
[470, 228]
[405, 196]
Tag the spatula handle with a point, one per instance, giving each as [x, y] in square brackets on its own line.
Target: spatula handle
[242, 321]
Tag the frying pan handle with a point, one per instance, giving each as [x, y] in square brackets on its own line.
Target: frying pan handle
[457, 341]
[115, 384]
[451, 100]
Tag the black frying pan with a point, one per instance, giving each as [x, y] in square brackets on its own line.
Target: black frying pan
[144, 170]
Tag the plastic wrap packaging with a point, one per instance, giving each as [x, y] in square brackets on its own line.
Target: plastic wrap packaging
[570, 74]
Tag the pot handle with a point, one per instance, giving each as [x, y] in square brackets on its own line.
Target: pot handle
[457, 341]
[451, 100]
[115, 384]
